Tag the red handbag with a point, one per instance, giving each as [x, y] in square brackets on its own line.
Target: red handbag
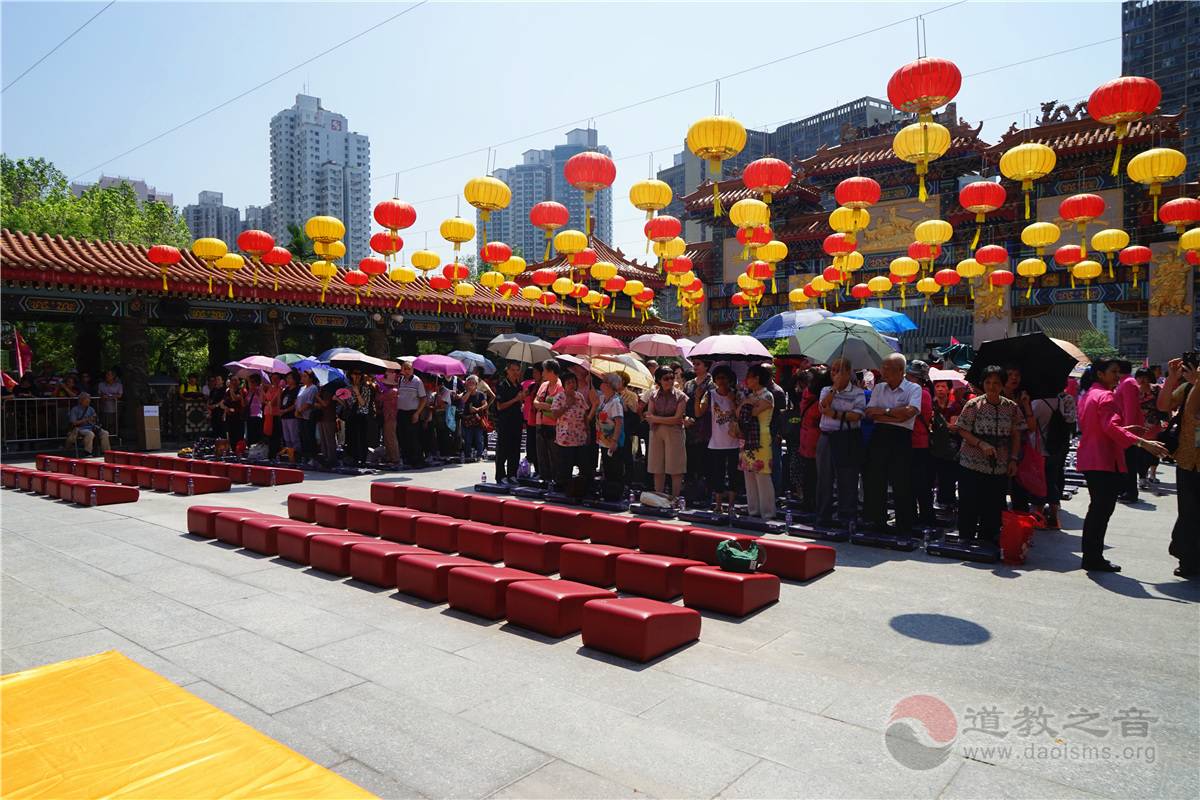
[1031, 471]
[1016, 532]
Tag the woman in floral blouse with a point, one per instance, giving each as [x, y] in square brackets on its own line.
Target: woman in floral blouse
[569, 410]
[991, 426]
[754, 419]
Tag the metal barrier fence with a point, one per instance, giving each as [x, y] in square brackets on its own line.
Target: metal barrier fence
[30, 424]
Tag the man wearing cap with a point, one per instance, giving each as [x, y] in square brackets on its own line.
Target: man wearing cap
[895, 403]
[85, 425]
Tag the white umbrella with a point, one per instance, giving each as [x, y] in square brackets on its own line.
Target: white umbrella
[656, 344]
[522, 347]
[840, 337]
[730, 347]
[472, 360]
[685, 346]
[639, 376]
[953, 376]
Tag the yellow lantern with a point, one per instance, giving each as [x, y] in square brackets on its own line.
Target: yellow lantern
[1109, 241]
[492, 280]
[1040, 235]
[716, 139]
[514, 266]
[933, 232]
[879, 286]
[1155, 167]
[603, 270]
[633, 288]
[750, 213]
[570, 242]
[531, 292]
[487, 194]
[563, 286]
[1031, 268]
[905, 268]
[650, 196]
[848, 221]
[852, 261]
[772, 252]
[229, 264]
[919, 144]
[324, 229]
[1189, 241]
[209, 250]
[669, 250]
[330, 251]
[426, 260]
[1027, 163]
[969, 269]
[797, 297]
[1085, 271]
[403, 275]
[324, 271]
[928, 287]
[457, 230]
[464, 291]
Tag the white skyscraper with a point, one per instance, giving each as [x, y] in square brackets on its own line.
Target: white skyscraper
[319, 167]
[211, 217]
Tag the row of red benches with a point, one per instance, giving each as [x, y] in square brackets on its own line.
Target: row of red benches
[79, 489]
[238, 473]
[158, 479]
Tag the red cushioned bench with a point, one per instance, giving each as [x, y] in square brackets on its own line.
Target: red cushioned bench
[292, 541]
[398, 524]
[734, 593]
[132, 475]
[8, 475]
[594, 564]
[363, 517]
[62, 487]
[535, 552]
[426, 576]
[160, 479]
[569, 522]
[522, 514]
[487, 509]
[795, 561]
[110, 472]
[481, 590]
[331, 552]
[37, 482]
[238, 473]
[701, 543]
[275, 476]
[24, 479]
[102, 493]
[41, 462]
[437, 532]
[303, 506]
[454, 504]
[552, 608]
[636, 628]
[330, 511]
[483, 541]
[201, 519]
[227, 525]
[662, 539]
[188, 484]
[421, 498]
[652, 575]
[49, 484]
[259, 534]
[374, 561]
[388, 494]
[90, 469]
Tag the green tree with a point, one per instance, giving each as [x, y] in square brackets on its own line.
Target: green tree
[1095, 344]
[298, 244]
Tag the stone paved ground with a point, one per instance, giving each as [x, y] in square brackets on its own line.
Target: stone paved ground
[412, 700]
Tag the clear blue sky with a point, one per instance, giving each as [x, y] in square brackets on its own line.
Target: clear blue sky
[453, 77]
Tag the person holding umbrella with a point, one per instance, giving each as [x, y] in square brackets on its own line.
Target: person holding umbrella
[666, 455]
[990, 426]
[1103, 442]
[894, 405]
[309, 415]
[754, 420]
[719, 405]
[842, 405]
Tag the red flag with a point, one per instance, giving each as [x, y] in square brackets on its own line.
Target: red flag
[9, 383]
[22, 353]
[954, 340]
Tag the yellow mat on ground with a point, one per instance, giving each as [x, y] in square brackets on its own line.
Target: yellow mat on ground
[104, 726]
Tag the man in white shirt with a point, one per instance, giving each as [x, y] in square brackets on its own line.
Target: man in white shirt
[411, 398]
[895, 403]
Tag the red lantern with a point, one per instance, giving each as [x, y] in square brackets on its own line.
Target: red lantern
[386, 244]
[589, 172]
[373, 266]
[924, 85]
[1081, 209]
[439, 283]
[582, 261]
[832, 274]
[766, 176]
[356, 279]
[548, 299]
[981, 198]
[163, 256]
[761, 271]
[999, 279]
[549, 216]
[836, 244]
[455, 271]
[255, 243]
[543, 277]
[857, 192]
[1182, 212]
[614, 284]
[1134, 257]
[946, 278]
[1122, 101]
[395, 214]
[1068, 255]
[924, 254]
[663, 228]
[680, 266]
[495, 253]
[645, 296]
[1193, 257]
[580, 291]
[991, 255]
[860, 291]
[275, 258]
[693, 287]
[752, 238]
[810, 291]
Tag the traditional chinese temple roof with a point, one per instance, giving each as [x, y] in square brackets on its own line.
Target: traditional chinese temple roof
[627, 268]
[733, 189]
[116, 267]
[1075, 133]
[876, 151]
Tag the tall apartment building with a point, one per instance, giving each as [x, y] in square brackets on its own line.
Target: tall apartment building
[1161, 40]
[259, 218]
[144, 192]
[211, 217]
[320, 167]
[540, 177]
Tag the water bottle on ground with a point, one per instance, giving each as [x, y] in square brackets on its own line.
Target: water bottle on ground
[787, 517]
[483, 477]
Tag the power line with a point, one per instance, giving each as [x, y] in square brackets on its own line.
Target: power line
[255, 88]
[673, 93]
[54, 49]
[1039, 58]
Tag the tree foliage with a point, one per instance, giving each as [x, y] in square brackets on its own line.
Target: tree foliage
[1095, 344]
[35, 198]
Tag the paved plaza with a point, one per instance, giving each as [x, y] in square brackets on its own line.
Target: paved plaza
[1062, 684]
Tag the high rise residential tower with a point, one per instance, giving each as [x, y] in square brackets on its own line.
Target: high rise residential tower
[320, 167]
[1161, 40]
[211, 217]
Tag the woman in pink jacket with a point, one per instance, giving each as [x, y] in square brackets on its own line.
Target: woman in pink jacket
[1101, 457]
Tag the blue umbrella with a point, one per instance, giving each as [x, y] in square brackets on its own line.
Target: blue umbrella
[472, 360]
[323, 372]
[882, 320]
[337, 351]
[781, 326]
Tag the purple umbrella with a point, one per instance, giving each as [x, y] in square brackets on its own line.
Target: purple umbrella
[730, 347]
[439, 365]
[259, 363]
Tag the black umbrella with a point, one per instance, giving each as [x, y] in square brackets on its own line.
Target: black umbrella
[1044, 365]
